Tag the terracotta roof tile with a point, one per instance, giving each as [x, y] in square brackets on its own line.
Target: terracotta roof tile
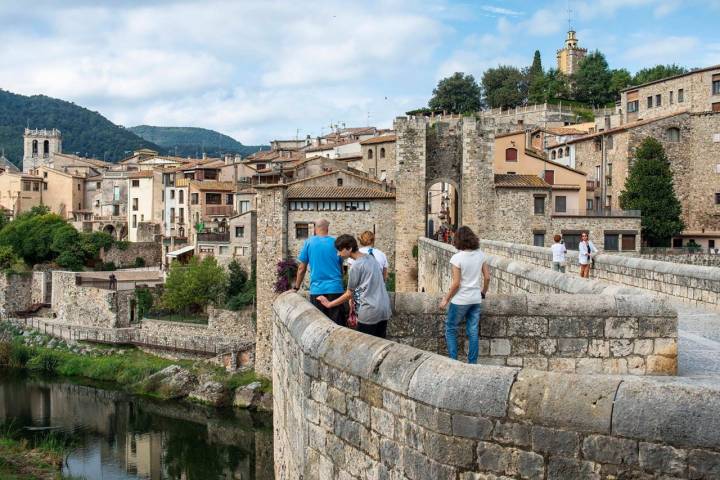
[205, 185]
[520, 181]
[380, 139]
[300, 191]
[626, 126]
[141, 174]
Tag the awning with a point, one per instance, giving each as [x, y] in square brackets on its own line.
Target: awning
[181, 251]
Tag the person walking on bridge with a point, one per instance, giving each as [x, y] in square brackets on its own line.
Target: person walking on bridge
[586, 252]
[464, 299]
[326, 276]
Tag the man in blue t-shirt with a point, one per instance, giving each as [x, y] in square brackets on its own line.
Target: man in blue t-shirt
[326, 278]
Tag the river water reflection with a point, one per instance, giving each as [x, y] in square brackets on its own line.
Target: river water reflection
[120, 437]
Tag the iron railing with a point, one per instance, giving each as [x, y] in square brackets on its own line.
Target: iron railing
[597, 213]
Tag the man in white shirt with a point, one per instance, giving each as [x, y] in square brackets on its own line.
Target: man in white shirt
[558, 254]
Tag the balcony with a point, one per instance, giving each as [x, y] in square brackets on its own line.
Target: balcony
[223, 237]
[218, 210]
[182, 182]
[607, 212]
[591, 185]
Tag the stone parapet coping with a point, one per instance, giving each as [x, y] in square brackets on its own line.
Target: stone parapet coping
[674, 411]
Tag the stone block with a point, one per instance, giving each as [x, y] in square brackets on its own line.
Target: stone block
[336, 400]
[554, 441]
[643, 347]
[588, 365]
[572, 305]
[500, 346]
[621, 348]
[652, 327]
[576, 327]
[417, 466]
[572, 347]
[493, 457]
[348, 430]
[493, 326]
[527, 327]
[512, 433]
[523, 346]
[514, 361]
[672, 411]
[598, 348]
[382, 422]
[703, 464]
[506, 305]
[658, 365]
[547, 346]
[580, 402]
[354, 352]
[371, 393]
[535, 363]
[666, 347]
[621, 327]
[644, 306]
[358, 410]
[390, 452]
[607, 449]
[561, 365]
[449, 450]
[318, 391]
[560, 468]
[663, 459]
[615, 366]
[411, 435]
[398, 367]
[471, 427]
[433, 418]
[636, 365]
[530, 465]
[474, 389]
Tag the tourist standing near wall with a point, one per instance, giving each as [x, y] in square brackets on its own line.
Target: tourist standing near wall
[586, 251]
[558, 253]
[466, 295]
[319, 253]
[367, 240]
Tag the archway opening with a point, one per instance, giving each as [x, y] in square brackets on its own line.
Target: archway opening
[442, 211]
[110, 230]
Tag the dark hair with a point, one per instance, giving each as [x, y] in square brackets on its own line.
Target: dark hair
[346, 241]
[465, 239]
[557, 238]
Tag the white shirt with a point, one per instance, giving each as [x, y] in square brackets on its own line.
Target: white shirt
[376, 254]
[584, 249]
[558, 252]
[470, 263]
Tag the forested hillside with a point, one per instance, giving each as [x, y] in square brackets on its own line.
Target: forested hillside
[192, 141]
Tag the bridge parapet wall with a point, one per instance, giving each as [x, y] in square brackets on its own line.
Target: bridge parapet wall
[347, 405]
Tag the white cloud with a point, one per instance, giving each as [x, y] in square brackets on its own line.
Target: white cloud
[651, 51]
[543, 22]
[500, 10]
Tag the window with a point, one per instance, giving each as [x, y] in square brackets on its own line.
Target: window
[357, 206]
[540, 205]
[628, 242]
[553, 155]
[560, 153]
[241, 251]
[172, 215]
[116, 193]
[36, 187]
[597, 172]
[97, 203]
[567, 151]
[382, 152]
[162, 195]
[116, 210]
[539, 239]
[44, 174]
[223, 249]
[134, 221]
[213, 199]
[228, 199]
[633, 106]
[673, 134]
[671, 97]
[194, 198]
[561, 204]
[711, 243]
[370, 154]
[608, 201]
[330, 206]
[716, 107]
[142, 216]
[611, 242]
[163, 215]
[339, 182]
[26, 186]
[172, 194]
[97, 185]
[44, 186]
[244, 206]
[181, 196]
[239, 232]
[658, 100]
[134, 204]
[136, 183]
[681, 95]
[589, 204]
[512, 173]
[302, 230]
[78, 185]
[609, 142]
[677, 242]
[572, 240]
[716, 86]
[302, 206]
[181, 216]
[649, 102]
[717, 199]
[597, 143]
[511, 154]
[383, 174]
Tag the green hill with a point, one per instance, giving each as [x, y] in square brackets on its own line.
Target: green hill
[192, 141]
[84, 132]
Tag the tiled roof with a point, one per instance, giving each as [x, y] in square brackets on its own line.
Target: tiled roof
[213, 185]
[380, 139]
[509, 134]
[141, 174]
[300, 191]
[520, 181]
[627, 126]
[335, 172]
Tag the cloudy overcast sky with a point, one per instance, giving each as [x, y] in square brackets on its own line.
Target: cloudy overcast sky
[259, 70]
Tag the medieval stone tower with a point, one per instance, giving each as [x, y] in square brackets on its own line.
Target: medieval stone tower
[454, 150]
[40, 146]
[568, 58]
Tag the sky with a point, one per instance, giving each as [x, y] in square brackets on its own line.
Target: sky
[269, 69]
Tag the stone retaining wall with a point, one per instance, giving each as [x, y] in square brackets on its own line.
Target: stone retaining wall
[90, 306]
[694, 284]
[568, 333]
[151, 252]
[351, 406]
[14, 293]
[238, 324]
[699, 259]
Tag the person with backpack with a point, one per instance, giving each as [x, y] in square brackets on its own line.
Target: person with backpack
[366, 289]
[367, 242]
[464, 298]
[586, 252]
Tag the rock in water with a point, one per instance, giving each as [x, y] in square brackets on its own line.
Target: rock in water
[247, 396]
[210, 392]
[172, 382]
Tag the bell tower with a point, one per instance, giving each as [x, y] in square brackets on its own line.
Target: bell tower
[39, 147]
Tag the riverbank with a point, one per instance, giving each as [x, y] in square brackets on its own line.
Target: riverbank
[131, 369]
[19, 460]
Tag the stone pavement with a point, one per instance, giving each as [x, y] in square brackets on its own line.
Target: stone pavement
[698, 342]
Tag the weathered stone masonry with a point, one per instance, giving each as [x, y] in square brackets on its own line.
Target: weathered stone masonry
[348, 405]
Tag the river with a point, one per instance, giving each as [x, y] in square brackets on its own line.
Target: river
[117, 436]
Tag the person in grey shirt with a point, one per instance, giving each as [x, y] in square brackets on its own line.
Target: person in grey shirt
[366, 288]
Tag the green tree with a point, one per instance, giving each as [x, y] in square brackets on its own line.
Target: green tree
[592, 80]
[191, 288]
[536, 80]
[656, 73]
[31, 236]
[619, 80]
[504, 87]
[8, 258]
[237, 277]
[551, 86]
[458, 93]
[649, 188]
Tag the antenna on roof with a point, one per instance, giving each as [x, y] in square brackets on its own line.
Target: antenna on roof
[569, 13]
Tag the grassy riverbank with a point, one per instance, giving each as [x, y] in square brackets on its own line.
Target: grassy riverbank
[125, 367]
[22, 459]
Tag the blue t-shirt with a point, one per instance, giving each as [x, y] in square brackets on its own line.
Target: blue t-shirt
[325, 265]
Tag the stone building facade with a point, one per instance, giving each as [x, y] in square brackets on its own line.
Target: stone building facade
[378, 157]
[569, 57]
[39, 146]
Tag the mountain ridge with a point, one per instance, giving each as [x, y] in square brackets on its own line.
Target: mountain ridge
[193, 141]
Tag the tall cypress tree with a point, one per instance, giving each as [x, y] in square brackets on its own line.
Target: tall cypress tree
[649, 188]
[536, 80]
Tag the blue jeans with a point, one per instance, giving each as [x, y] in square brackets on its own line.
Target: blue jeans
[471, 315]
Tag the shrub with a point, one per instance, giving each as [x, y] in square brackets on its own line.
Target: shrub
[286, 272]
[122, 245]
[194, 286]
[19, 356]
[390, 282]
[47, 362]
[108, 267]
[139, 262]
[144, 300]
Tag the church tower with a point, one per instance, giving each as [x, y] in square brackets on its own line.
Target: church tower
[40, 146]
[568, 58]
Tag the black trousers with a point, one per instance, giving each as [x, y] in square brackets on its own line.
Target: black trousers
[377, 330]
[337, 314]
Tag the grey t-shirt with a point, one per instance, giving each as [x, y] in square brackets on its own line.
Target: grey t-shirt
[372, 303]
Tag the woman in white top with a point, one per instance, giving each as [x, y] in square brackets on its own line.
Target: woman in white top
[367, 242]
[466, 293]
[558, 254]
[586, 250]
